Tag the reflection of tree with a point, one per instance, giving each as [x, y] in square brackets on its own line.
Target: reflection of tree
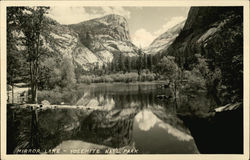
[169, 117]
[55, 126]
[113, 128]
[124, 96]
[127, 99]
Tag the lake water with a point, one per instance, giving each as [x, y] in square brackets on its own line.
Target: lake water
[128, 118]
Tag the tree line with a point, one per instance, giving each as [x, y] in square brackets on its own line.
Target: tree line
[126, 64]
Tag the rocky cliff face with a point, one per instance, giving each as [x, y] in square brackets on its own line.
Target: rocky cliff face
[91, 42]
[161, 43]
[206, 31]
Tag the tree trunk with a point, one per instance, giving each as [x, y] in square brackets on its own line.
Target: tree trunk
[12, 89]
[175, 94]
[33, 92]
[35, 95]
[35, 76]
[33, 84]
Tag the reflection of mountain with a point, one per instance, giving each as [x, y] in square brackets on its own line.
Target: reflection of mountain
[112, 129]
[168, 116]
[148, 118]
[153, 135]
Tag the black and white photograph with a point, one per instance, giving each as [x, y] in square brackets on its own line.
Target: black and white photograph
[124, 80]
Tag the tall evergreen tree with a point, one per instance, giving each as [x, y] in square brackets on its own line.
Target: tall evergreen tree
[121, 63]
[149, 62]
[139, 63]
[128, 64]
[32, 24]
[15, 58]
[145, 61]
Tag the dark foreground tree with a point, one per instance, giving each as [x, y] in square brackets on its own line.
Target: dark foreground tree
[12, 61]
[15, 59]
[32, 25]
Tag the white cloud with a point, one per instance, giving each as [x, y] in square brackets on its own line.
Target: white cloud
[116, 10]
[169, 24]
[142, 38]
[71, 15]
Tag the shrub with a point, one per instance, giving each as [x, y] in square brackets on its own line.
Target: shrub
[85, 79]
[119, 77]
[59, 95]
[108, 78]
[194, 79]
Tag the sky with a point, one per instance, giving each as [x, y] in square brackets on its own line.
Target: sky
[145, 23]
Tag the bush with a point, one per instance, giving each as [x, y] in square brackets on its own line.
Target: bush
[108, 79]
[118, 77]
[85, 79]
[147, 76]
[59, 95]
[194, 80]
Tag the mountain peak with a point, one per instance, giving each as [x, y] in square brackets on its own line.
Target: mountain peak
[92, 42]
[114, 16]
[162, 42]
[112, 25]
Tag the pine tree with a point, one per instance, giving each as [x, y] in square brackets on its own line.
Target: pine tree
[128, 64]
[145, 61]
[15, 58]
[32, 24]
[149, 62]
[139, 63]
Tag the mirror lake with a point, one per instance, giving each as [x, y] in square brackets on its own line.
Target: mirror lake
[116, 118]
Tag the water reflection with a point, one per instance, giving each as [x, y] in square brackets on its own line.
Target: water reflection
[175, 132]
[100, 102]
[112, 129]
[125, 116]
[153, 135]
[146, 120]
